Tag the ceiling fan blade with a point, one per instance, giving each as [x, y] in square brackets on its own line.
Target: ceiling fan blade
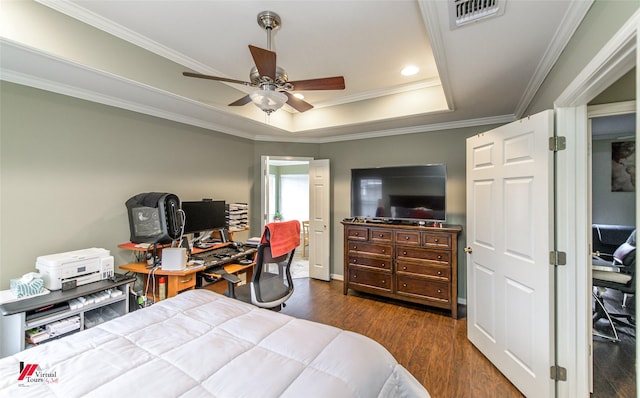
[326, 83]
[297, 103]
[217, 78]
[265, 61]
[242, 101]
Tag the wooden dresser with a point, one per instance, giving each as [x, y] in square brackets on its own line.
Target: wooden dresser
[404, 262]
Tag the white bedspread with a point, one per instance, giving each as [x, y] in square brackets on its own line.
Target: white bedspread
[201, 344]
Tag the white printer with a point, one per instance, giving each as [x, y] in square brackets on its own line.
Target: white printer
[82, 266]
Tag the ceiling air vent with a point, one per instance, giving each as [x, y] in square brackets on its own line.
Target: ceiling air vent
[462, 12]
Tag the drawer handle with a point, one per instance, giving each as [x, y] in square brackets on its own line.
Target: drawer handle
[404, 268]
[439, 272]
[436, 240]
[383, 250]
[355, 276]
[185, 280]
[439, 257]
[355, 247]
[439, 291]
[382, 265]
[357, 234]
[355, 260]
[404, 285]
[383, 281]
[406, 238]
[381, 235]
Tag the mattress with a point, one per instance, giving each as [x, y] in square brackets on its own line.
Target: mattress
[201, 344]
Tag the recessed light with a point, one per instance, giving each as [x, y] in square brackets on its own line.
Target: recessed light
[410, 70]
[298, 95]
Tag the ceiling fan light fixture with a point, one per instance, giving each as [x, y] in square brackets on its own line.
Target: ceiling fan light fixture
[268, 100]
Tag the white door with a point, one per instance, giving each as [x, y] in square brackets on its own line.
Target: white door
[510, 235]
[319, 220]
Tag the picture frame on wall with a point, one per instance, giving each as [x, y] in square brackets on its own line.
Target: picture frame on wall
[623, 166]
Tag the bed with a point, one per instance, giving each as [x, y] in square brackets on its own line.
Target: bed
[201, 344]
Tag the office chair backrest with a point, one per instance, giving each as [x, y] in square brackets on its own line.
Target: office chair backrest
[625, 254]
[272, 283]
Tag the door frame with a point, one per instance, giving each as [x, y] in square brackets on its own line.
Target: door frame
[264, 182]
[573, 281]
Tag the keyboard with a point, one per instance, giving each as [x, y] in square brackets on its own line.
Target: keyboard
[223, 255]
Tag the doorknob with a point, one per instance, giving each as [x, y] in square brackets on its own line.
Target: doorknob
[468, 250]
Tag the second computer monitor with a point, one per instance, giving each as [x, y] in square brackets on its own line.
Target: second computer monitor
[206, 215]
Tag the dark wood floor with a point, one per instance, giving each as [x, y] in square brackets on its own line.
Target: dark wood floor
[431, 345]
[435, 349]
[614, 372]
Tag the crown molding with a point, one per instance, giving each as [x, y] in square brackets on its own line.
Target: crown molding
[570, 23]
[616, 58]
[75, 11]
[66, 77]
[429, 12]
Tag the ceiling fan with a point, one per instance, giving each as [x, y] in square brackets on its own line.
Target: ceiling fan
[273, 81]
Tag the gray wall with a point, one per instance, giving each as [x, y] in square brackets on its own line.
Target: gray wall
[68, 166]
[602, 21]
[447, 147]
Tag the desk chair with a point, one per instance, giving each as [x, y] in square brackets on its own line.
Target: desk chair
[271, 284]
[619, 275]
[305, 238]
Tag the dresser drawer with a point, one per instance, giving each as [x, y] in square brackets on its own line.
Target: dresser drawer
[438, 291]
[357, 233]
[381, 235]
[435, 239]
[420, 254]
[369, 248]
[442, 272]
[383, 263]
[372, 279]
[408, 238]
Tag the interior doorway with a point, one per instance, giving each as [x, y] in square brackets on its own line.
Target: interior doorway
[613, 205]
[286, 197]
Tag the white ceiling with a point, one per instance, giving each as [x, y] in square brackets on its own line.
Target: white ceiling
[131, 54]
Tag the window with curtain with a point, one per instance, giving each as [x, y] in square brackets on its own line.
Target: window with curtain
[294, 196]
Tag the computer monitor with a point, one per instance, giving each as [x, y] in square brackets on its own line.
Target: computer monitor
[205, 215]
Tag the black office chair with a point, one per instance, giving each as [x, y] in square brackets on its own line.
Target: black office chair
[618, 274]
[271, 284]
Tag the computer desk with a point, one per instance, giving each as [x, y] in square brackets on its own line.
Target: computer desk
[179, 281]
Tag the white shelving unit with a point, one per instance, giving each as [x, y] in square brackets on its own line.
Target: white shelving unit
[20, 317]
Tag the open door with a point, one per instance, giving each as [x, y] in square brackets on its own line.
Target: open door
[319, 208]
[319, 220]
[510, 238]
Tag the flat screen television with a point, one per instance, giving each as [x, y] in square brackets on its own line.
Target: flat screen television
[205, 215]
[409, 193]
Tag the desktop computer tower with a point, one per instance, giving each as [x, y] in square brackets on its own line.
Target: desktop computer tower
[154, 217]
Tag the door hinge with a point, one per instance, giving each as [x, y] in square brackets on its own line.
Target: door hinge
[557, 258]
[557, 143]
[558, 373]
